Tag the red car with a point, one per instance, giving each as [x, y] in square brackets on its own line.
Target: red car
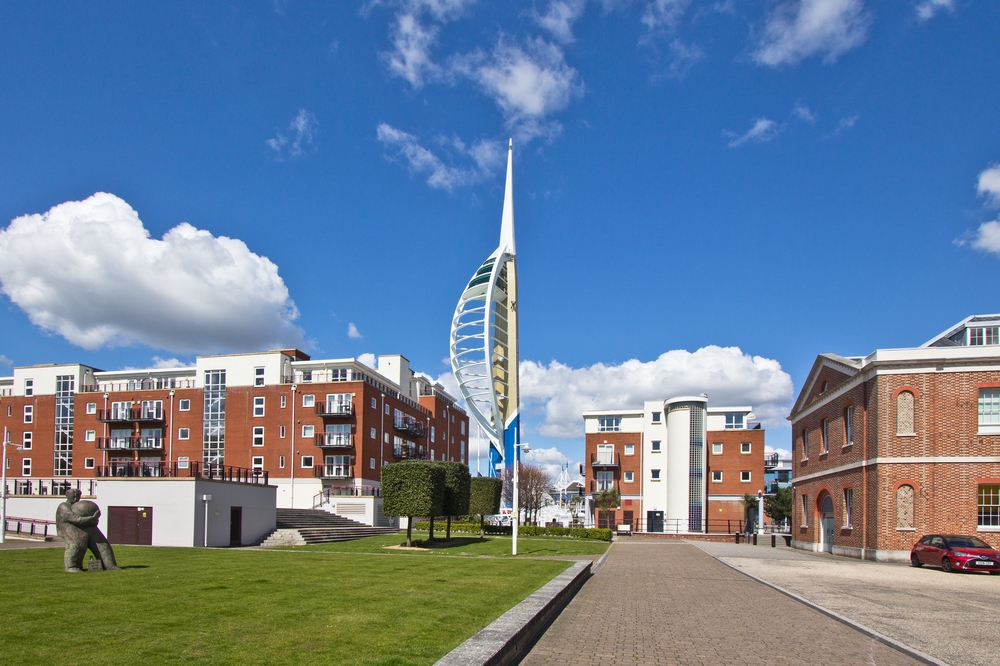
[954, 552]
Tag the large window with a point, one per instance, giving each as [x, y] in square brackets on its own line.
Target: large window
[734, 421]
[989, 506]
[904, 413]
[989, 335]
[824, 428]
[848, 507]
[605, 480]
[605, 454]
[989, 407]
[849, 426]
[609, 424]
[213, 442]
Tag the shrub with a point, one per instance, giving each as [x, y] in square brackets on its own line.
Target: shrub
[456, 490]
[412, 488]
[601, 534]
[484, 498]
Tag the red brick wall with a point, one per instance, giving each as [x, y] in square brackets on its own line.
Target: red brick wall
[631, 463]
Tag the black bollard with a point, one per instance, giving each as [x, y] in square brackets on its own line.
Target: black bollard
[755, 538]
[774, 541]
[737, 537]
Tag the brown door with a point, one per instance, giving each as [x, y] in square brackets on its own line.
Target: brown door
[235, 526]
[627, 519]
[130, 525]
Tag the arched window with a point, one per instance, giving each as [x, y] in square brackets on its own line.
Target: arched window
[904, 507]
[904, 413]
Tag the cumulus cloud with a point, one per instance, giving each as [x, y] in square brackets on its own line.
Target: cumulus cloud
[989, 184]
[551, 460]
[987, 237]
[727, 374]
[166, 363]
[763, 130]
[559, 17]
[300, 136]
[926, 9]
[368, 359]
[353, 332]
[481, 159]
[89, 271]
[798, 29]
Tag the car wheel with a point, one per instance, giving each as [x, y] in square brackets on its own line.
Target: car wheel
[915, 561]
[946, 565]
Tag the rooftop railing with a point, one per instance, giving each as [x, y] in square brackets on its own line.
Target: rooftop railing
[49, 487]
[147, 384]
[183, 469]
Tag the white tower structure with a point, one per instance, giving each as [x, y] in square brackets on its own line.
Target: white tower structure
[484, 345]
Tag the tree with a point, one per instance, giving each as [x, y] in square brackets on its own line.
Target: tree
[533, 486]
[749, 502]
[607, 499]
[456, 491]
[484, 498]
[779, 506]
[412, 488]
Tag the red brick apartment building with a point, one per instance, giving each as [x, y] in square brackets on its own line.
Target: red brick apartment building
[311, 424]
[679, 465]
[902, 442]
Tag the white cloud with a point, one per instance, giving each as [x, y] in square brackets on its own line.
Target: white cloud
[844, 125]
[486, 157]
[353, 332]
[551, 460]
[5, 362]
[300, 135]
[368, 359]
[989, 184]
[926, 9]
[802, 112]
[798, 29]
[727, 374]
[89, 271]
[559, 18]
[660, 14]
[414, 33]
[166, 363]
[763, 130]
[987, 237]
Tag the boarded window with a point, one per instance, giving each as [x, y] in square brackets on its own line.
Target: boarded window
[904, 413]
[904, 508]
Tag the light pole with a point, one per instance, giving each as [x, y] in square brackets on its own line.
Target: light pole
[516, 516]
[3, 502]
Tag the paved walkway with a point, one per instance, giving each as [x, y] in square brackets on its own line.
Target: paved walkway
[952, 617]
[660, 602]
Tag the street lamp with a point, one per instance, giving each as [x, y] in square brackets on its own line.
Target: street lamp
[517, 515]
[3, 502]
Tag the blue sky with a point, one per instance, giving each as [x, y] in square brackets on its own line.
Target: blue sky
[776, 179]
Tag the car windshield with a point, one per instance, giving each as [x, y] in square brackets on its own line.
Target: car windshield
[967, 542]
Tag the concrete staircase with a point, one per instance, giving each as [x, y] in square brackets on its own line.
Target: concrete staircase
[298, 527]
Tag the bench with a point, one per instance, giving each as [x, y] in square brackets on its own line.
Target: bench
[624, 529]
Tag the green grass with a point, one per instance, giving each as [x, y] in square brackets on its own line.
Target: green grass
[468, 545]
[187, 605]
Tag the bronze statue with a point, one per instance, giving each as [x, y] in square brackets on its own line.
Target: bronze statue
[76, 523]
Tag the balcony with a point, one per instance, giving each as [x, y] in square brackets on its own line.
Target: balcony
[408, 453]
[771, 461]
[136, 414]
[605, 460]
[335, 440]
[411, 426]
[129, 443]
[183, 469]
[332, 472]
[330, 410]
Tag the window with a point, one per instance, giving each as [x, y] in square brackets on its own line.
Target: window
[988, 514]
[630, 449]
[184, 405]
[387, 409]
[848, 507]
[91, 407]
[9, 410]
[452, 418]
[904, 507]
[805, 444]
[283, 401]
[984, 336]
[904, 413]
[824, 434]
[29, 388]
[258, 376]
[605, 454]
[183, 433]
[385, 437]
[657, 416]
[257, 463]
[805, 511]
[88, 463]
[371, 463]
[654, 474]
[433, 434]
[655, 446]
[372, 433]
[745, 476]
[26, 441]
[258, 436]
[744, 447]
[90, 436]
[463, 427]
[374, 403]
[26, 467]
[989, 407]
[849, 426]
[609, 424]
[605, 480]
[734, 421]
[716, 448]
[308, 431]
[29, 413]
[281, 432]
[461, 451]
[307, 375]
[281, 462]
[629, 477]
[308, 400]
[716, 476]
[339, 403]
[307, 461]
[258, 405]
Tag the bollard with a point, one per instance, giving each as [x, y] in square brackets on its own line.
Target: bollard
[737, 537]
[774, 541]
[755, 538]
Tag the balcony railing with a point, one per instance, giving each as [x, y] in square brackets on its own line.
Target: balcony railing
[87, 487]
[771, 461]
[183, 469]
[410, 425]
[408, 453]
[335, 409]
[605, 459]
[333, 472]
[345, 491]
[120, 415]
[129, 443]
[335, 440]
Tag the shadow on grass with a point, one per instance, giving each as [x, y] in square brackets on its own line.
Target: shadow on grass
[136, 566]
[454, 542]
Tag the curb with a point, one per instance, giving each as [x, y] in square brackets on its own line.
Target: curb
[504, 640]
[922, 657]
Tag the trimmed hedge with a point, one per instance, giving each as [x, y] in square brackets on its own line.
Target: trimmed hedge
[602, 534]
[484, 495]
[412, 488]
[456, 488]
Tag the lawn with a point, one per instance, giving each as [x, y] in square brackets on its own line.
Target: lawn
[187, 605]
[469, 545]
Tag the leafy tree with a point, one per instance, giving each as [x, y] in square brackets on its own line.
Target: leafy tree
[484, 498]
[456, 491]
[412, 488]
[607, 499]
[779, 506]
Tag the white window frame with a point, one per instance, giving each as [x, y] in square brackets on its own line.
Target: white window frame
[654, 475]
[258, 406]
[735, 420]
[303, 464]
[371, 463]
[258, 376]
[824, 429]
[629, 477]
[609, 424]
[184, 405]
[258, 436]
[90, 436]
[433, 434]
[88, 463]
[655, 446]
[281, 432]
[29, 388]
[25, 466]
[257, 463]
[988, 411]
[372, 433]
[848, 508]
[308, 431]
[374, 403]
[27, 439]
[308, 400]
[716, 448]
[604, 480]
[657, 417]
[283, 401]
[281, 462]
[716, 476]
[29, 414]
[849, 426]
[183, 433]
[746, 448]
[630, 449]
[745, 476]
[91, 407]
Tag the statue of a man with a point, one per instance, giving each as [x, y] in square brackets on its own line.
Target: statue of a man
[76, 523]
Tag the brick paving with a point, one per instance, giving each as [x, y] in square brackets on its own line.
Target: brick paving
[657, 602]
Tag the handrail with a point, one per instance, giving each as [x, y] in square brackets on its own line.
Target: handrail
[32, 524]
[321, 498]
[49, 487]
[183, 469]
